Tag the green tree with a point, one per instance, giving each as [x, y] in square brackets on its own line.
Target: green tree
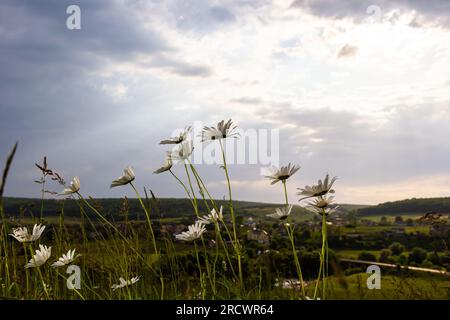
[385, 255]
[427, 264]
[417, 255]
[434, 258]
[402, 259]
[367, 256]
[398, 219]
[396, 248]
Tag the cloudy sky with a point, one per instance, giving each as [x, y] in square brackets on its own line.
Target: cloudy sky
[356, 88]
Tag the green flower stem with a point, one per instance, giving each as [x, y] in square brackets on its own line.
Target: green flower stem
[4, 240]
[285, 193]
[102, 218]
[227, 230]
[296, 259]
[198, 216]
[220, 238]
[200, 271]
[40, 273]
[200, 187]
[84, 216]
[324, 254]
[233, 218]
[42, 199]
[208, 267]
[192, 190]
[74, 289]
[290, 232]
[78, 292]
[183, 185]
[323, 259]
[226, 248]
[152, 234]
[203, 187]
[27, 274]
[147, 215]
[318, 278]
[225, 167]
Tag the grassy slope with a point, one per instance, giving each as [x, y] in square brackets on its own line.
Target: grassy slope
[393, 287]
[418, 286]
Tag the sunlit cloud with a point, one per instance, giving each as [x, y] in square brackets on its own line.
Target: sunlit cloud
[417, 187]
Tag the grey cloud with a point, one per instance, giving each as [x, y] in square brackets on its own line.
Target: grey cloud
[240, 83]
[347, 51]
[200, 16]
[411, 142]
[46, 67]
[335, 9]
[189, 70]
[432, 11]
[179, 67]
[247, 100]
[221, 14]
[52, 101]
[291, 42]
[38, 32]
[259, 101]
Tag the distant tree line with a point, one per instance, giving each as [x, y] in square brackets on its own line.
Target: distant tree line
[163, 207]
[409, 206]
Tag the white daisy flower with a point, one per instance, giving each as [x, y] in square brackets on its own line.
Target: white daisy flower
[40, 257]
[222, 131]
[21, 234]
[125, 283]
[128, 176]
[182, 152]
[65, 259]
[205, 220]
[166, 166]
[214, 216]
[283, 173]
[281, 213]
[74, 187]
[321, 189]
[322, 204]
[194, 232]
[180, 138]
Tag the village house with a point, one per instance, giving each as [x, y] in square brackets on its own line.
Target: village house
[258, 235]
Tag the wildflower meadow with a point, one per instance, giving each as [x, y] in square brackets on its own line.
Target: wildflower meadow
[97, 255]
[206, 261]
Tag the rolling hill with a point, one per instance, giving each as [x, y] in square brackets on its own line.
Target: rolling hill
[178, 207]
[412, 206]
[112, 207]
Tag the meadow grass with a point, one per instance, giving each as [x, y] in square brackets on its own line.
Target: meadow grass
[128, 260]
